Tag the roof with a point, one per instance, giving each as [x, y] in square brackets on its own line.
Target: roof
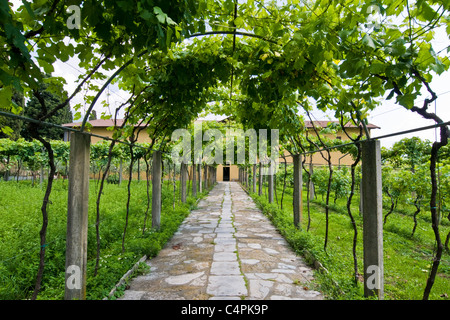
[324, 123]
[100, 123]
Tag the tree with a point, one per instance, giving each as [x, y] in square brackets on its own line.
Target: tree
[49, 95]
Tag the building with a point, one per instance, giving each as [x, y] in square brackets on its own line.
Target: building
[100, 127]
[337, 158]
[230, 172]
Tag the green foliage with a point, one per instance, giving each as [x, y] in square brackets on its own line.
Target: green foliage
[20, 223]
[408, 152]
[407, 259]
[320, 179]
[52, 94]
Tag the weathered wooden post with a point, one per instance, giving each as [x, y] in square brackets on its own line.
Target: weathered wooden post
[77, 217]
[311, 183]
[372, 219]
[183, 181]
[260, 180]
[205, 176]
[270, 186]
[139, 169]
[297, 193]
[246, 178]
[199, 177]
[194, 180]
[156, 190]
[254, 178]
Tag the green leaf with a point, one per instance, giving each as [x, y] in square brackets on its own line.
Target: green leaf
[328, 55]
[406, 100]
[7, 130]
[160, 15]
[28, 7]
[169, 36]
[427, 12]
[239, 22]
[5, 97]
[146, 15]
[377, 67]
[77, 116]
[267, 74]
[368, 41]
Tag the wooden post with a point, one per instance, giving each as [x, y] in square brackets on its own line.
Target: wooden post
[200, 177]
[260, 180]
[139, 169]
[372, 219]
[183, 181]
[194, 181]
[254, 178]
[270, 186]
[311, 183]
[246, 178]
[156, 190]
[298, 183]
[77, 217]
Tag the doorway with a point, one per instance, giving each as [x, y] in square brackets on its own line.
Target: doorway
[226, 173]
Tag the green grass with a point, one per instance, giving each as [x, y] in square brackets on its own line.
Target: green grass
[407, 259]
[21, 220]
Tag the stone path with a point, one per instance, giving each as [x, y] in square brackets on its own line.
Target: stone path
[226, 249]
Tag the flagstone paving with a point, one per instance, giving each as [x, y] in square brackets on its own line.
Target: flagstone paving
[225, 249]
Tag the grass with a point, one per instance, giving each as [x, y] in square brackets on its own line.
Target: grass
[407, 259]
[20, 222]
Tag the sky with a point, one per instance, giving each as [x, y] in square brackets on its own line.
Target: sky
[390, 117]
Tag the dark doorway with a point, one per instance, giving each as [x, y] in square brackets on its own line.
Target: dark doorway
[226, 173]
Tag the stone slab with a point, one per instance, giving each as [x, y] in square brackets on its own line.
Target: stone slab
[226, 286]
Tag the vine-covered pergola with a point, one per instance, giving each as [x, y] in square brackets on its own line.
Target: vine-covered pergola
[261, 61]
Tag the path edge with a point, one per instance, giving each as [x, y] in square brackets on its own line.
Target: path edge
[129, 274]
[309, 257]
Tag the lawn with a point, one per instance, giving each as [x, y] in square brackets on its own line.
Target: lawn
[20, 222]
[407, 260]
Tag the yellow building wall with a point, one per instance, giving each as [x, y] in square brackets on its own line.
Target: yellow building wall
[234, 172]
[143, 136]
[337, 157]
